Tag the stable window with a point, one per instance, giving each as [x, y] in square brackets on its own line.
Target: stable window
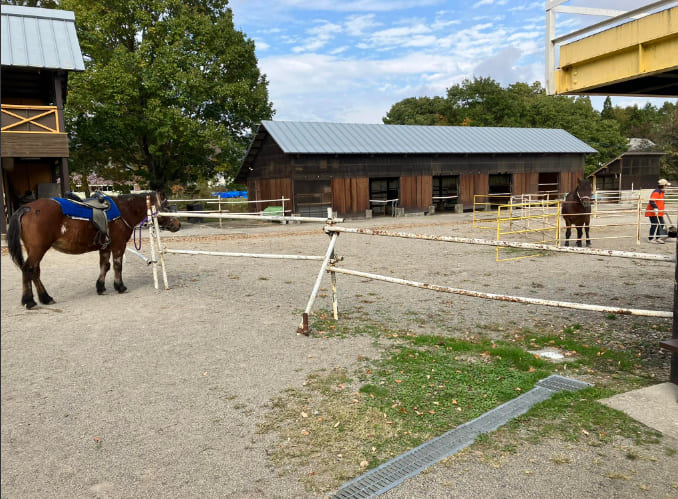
[549, 183]
[500, 188]
[312, 197]
[445, 192]
[384, 195]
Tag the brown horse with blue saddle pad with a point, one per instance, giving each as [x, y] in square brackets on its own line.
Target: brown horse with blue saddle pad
[67, 227]
[576, 210]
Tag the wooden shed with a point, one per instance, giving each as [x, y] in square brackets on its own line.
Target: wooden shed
[39, 48]
[637, 168]
[356, 167]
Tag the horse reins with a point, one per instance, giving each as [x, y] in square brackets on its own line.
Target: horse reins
[140, 224]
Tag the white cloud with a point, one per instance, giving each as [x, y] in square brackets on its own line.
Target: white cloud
[358, 25]
[261, 44]
[319, 36]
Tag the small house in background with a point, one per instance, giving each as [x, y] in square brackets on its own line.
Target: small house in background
[96, 183]
[353, 168]
[638, 168]
[39, 47]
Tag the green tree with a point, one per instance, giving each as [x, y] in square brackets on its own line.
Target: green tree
[577, 116]
[481, 102]
[418, 111]
[607, 113]
[666, 138]
[171, 92]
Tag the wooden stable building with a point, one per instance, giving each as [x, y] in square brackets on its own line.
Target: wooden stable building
[353, 168]
[638, 168]
[39, 48]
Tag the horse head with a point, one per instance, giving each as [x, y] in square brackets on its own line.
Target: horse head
[162, 205]
[584, 192]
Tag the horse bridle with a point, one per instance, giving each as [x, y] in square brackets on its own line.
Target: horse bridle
[157, 210]
[582, 199]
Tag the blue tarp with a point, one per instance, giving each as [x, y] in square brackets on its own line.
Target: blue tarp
[231, 194]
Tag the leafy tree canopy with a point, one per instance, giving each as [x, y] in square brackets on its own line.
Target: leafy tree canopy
[171, 92]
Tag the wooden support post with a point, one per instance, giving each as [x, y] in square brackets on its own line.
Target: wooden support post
[151, 237]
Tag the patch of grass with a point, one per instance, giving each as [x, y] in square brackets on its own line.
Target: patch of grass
[431, 390]
[575, 416]
[323, 324]
[340, 424]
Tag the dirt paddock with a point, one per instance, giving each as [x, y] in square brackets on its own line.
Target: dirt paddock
[158, 393]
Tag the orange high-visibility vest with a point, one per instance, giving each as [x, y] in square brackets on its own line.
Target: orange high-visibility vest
[657, 197]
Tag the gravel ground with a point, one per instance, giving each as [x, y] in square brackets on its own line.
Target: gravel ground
[158, 393]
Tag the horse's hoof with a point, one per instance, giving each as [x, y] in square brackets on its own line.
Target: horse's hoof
[567, 243]
[578, 244]
[120, 288]
[101, 287]
[588, 245]
[29, 303]
[46, 299]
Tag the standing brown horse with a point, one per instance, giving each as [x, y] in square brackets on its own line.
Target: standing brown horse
[41, 225]
[576, 210]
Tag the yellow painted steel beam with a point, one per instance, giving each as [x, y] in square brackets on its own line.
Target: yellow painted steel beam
[634, 50]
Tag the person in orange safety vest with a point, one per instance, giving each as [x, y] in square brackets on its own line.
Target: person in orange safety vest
[655, 211]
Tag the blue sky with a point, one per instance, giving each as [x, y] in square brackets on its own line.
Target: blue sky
[351, 60]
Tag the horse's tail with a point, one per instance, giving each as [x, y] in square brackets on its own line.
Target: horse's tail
[14, 237]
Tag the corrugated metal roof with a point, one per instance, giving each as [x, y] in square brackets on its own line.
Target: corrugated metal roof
[40, 38]
[347, 138]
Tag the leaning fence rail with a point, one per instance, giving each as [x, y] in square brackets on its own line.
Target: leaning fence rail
[330, 266]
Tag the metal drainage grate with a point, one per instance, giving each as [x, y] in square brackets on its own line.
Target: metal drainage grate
[405, 466]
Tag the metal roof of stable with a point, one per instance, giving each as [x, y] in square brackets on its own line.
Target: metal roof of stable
[39, 38]
[347, 138]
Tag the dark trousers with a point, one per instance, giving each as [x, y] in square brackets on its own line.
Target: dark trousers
[655, 223]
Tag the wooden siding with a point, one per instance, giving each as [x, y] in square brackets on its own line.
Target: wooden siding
[525, 183]
[269, 188]
[470, 185]
[569, 181]
[38, 145]
[316, 166]
[416, 193]
[350, 195]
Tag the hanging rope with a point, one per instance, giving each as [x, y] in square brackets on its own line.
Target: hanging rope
[134, 231]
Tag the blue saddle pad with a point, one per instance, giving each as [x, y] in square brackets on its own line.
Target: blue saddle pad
[75, 210]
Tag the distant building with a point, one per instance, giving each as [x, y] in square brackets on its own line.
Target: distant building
[355, 167]
[637, 168]
[39, 48]
[100, 184]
